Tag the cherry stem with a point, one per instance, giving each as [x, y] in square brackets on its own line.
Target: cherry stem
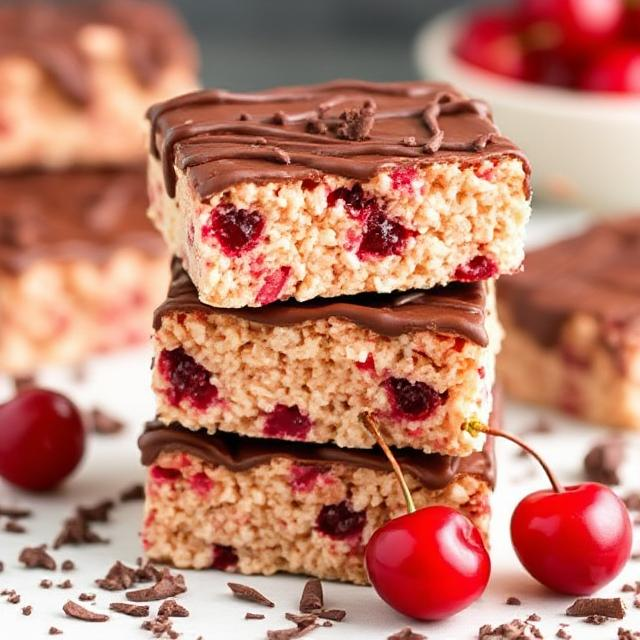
[475, 426]
[372, 427]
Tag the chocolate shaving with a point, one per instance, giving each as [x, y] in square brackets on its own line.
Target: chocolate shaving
[301, 620]
[288, 634]
[602, 463]
[513, 601]
[596, 619]
[54, 631]
[74, 610]
[627, 634]
[67, 584]
[160, 627]
[87, 597]
[132, 493]
[632, 500]
[312, 597]
[250, 594]
[97, 513]
[608, 607]
[407, 634]
[76, 531]
[14, 527]
[133, 610]
[253, 616]
[147, 572]
[37, 558]
[357, 124]
[563, 634]
[534, 617]
[514, 630]
[118, 577]
[168, 586]
[15, 513]
[27, 611]
[103, 424]
[46, 584]
[337, 615]
[14, 598]
[171, 609]
[68, 565]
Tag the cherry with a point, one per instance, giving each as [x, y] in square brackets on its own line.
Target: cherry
[428, 564]
[41, 439]
[489, 41]
[340, 521]
[382, 236]
[572, 539]
[224, 557]
[478, 268]
[412, 400]
[287, 422]
[552, 68]
[237, 230]
[618, 70]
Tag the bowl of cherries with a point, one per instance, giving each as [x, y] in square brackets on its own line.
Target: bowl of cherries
[563, 79]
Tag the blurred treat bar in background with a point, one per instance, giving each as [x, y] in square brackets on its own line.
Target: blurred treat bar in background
[76, 78]
[81, 267]
[572, 322]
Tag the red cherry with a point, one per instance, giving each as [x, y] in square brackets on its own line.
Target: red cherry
[489, 41]
[574, 541]
[430, 563]
[618, 70]
[632, 19]
[41, 439]
[552, 68]
[576, 25]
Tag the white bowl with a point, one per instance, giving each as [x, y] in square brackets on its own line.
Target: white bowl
[584, 147]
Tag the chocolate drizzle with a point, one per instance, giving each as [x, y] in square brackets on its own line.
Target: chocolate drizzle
[596, 273]
[457, 309]
[73, 214]
[239, 453]
[346, 127]
[49, 35]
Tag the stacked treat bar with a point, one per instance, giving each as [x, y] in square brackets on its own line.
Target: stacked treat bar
[80, 265]
[335, 247]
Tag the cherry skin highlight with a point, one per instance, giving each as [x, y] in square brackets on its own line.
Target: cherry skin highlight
[429, 564]
[42, 439]
[574, 541]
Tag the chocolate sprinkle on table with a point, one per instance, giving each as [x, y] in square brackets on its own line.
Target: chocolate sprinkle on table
[74, 610]
[98, 512]
[253, 616]
[128, 609]
[54, 631]
[76, 531]
[513, 601]
[14, 527]
[87, 597]
[407, 634]
[67, 584]
[118, 577]
[171, 609]
[602, 463]
[608, 607]
[250, 594]
[37, 558]
[167, 586]
[15, 513]
[312, 597]
[26, 611]
[68, 565]
[46, 584]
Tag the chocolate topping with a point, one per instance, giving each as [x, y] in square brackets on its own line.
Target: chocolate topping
[73, 214]
[349, 128]
[457, 309]
[49, 34]
[596, 273]
[238, 453]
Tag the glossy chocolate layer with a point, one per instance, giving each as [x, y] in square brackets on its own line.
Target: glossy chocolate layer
[48, 32]
[347, 127]
[239, 453]
[73, 214]
[596, 273]
[457, 309]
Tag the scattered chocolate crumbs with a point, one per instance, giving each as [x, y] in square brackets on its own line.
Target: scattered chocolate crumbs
[27, 611]
[167, 586]
[12, 526]
[118, 577]
[171, 609]
[563, 634]
[74, 610]
[596, 619]
[14, 598]
[602, 463]
[102, 423]
[15, 513]
[67, 584]
[514, 630]
[289, 634]
[407, 634]
[312, 597]
[160, 627]
[98, 512]
[37, 558]
[250, 594]
[513, 601]
[46, 584]
[132, 493]
[357, 123]
[76, 531]
[87, 597]
[54, 631]
[253, 616]
[607, 607]
[627, 634]
[133, 610]
[68, 565]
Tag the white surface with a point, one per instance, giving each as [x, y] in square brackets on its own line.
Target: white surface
[583, 147]
[120, 384]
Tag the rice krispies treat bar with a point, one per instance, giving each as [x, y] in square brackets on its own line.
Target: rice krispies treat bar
[422, 362]
[572, 323]
[77, 77]
[81, 268]
[235, 504]
[335, 189]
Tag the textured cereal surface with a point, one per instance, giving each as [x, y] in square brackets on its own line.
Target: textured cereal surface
[331, 370]
[581, 376]
[61, 312]
[270, 521]
[455, 213]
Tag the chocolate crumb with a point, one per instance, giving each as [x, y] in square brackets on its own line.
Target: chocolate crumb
[160, 627]
[118, 578]
[301, 619]
[167, 586]
[627, 634]
[12, 526]
[628, 588]
[1, 567]
[563, 634]
[46, 584]
[146, 572]
[74, 610]
[67, 584]
[102, 423]
[37, 558]
[128, 609]
[636, 602]
[312, 597]
[253, 616]
[171, 609]
[514, 630]
[27, 611]
[289, 634]
[632, 500]
[13, 235]
[602, 463]
[14, 513]
[98, 512]
[607, 607]
[87, 597]
[596, 619]
[132, 493]
[76, 531]
[14, 598]
[54, 631]
[68, 565]
[534, 617]
[337, 615]
[407, 634]
[357, 124]
[250, 594]
[513, 601]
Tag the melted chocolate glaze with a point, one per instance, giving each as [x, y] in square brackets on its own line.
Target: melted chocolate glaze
[221, 138]
[48, 33]
[457, 309]
[73, 214]
[596, 273]
[238, 453]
